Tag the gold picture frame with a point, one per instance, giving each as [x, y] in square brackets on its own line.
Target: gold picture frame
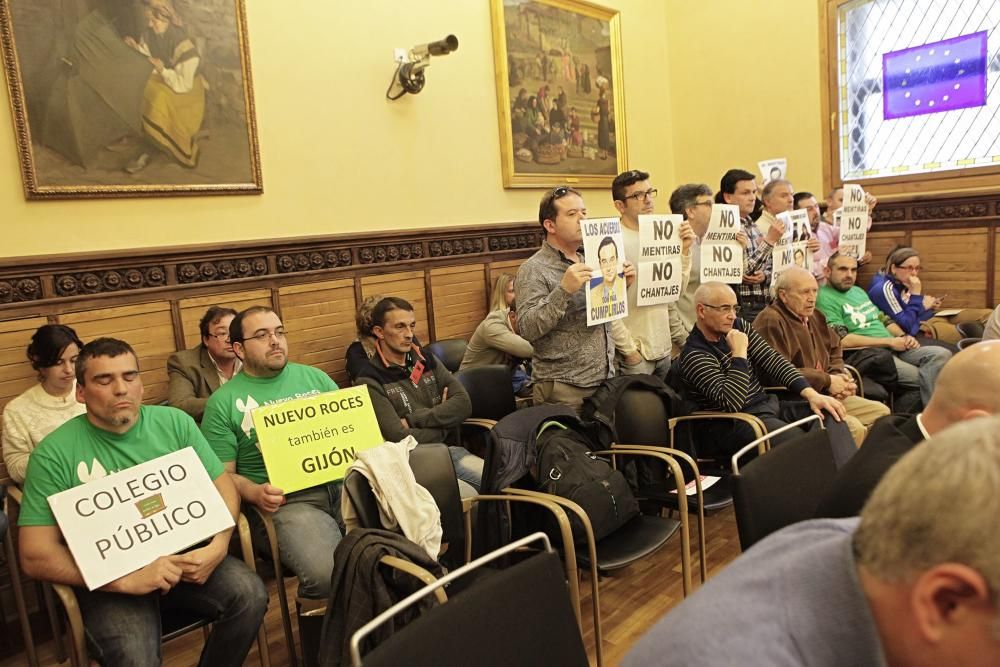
[128, 99]
[574, 49]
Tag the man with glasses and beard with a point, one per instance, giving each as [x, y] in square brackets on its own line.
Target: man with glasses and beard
[306, 521]
[570, 359]
[726, 364]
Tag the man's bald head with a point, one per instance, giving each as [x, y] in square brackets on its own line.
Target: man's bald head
[955, 398]
[796, 288]
[711, 291]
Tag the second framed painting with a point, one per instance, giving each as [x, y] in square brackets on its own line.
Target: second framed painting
[560, 99]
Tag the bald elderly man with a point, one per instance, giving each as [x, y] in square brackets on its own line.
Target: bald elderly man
[725, 365]
[793, 326]
[956, 398]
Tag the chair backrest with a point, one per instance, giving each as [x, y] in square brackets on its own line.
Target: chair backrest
[433, 469]
[966, 342]
[970, 329]
[449, 351]
[783, 486]
[490, 389]
[521, 615]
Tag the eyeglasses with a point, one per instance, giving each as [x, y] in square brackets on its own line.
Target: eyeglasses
[221, 337]
[265, 336]
[910, 268]
[639, 196]
[701, 203]
[724, 308]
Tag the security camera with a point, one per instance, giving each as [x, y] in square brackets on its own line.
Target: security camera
[439, 48]
[409, 76]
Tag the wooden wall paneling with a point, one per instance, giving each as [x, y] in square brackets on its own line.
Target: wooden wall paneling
[407, 285]
[458, 300]
[954, 264]
[879, 244]
[192, 309]
[16, 374]
[147, 327]
[993, 275]
[320, 322]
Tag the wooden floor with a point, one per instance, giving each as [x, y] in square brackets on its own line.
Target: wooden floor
[631, 602]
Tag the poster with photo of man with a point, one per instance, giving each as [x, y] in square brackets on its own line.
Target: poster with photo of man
[772, 170]
[603, 252]
[792, 248]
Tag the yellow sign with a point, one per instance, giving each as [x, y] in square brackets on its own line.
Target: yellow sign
[311, 441]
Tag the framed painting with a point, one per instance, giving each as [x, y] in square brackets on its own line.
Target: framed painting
[560, 100]
[131, 98]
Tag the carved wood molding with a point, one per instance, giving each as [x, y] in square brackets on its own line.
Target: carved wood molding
[981, 209]
[51, 279]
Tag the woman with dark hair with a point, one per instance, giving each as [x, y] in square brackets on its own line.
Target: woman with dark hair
[361, 350]
[899, 293]
[42, 408]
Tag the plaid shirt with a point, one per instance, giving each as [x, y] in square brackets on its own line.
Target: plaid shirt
[757, 257]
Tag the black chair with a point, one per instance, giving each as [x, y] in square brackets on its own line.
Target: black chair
[971, 329]
[433, 469]
[522, 615]
[490, 389]
[637, 539]
[641, 420]
[449, 352]
[967, 342]
[782, 487]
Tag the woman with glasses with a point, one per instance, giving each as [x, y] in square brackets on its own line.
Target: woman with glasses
[47, 405]
[899, 293]
[196, 373]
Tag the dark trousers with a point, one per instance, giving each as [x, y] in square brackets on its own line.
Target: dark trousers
[125, 629]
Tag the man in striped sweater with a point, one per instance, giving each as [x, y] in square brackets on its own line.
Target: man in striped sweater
[725, 365]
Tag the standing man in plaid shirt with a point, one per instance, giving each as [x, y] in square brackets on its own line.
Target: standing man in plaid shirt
[739, 187]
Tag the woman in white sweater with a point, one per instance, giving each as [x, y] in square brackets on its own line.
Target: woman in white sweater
[38, 411]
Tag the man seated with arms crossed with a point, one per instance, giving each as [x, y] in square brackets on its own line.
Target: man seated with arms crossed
[912, 582]
[196, 373]
[725, 365]
[955, 399]
[413, 393]
[571, 360]
[122, 618]
[798, 332]
[306, 521]
[650, 325]
[856, 319]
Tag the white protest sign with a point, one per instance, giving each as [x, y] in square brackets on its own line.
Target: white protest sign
[791, 248]
[772, 170]
[853, 222]
[659, 262]
[603, 251]
[721, 253]
[118, 524]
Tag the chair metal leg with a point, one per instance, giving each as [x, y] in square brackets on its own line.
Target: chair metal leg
[22, 610]
[55, 622]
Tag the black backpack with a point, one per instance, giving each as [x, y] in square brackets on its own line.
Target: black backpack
[565, 467]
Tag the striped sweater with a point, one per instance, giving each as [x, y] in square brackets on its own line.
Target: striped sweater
[717, 381]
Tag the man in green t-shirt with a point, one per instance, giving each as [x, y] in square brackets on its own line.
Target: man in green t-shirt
[307, 521]
[117, 432]
[852, 314]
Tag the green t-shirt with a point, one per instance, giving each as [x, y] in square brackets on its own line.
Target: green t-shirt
[228, 426]
[853, 310]
[78, 452]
